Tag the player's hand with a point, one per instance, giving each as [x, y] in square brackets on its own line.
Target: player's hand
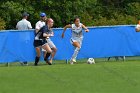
[62, 35]
[138, 29]
[87, 30]
[51, 34]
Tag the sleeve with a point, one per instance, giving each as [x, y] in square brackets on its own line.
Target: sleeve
[37, 26]
[29, 25]
[17, 26]
[138, 26]
[81, 24]
[72, 25]
[44, 29]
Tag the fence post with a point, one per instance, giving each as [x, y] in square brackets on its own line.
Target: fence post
[7, 64]
[67, 61]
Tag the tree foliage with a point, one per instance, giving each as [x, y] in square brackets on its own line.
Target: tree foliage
[91, 12]
[2, 24]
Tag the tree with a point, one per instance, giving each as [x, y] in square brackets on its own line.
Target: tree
[2, 24]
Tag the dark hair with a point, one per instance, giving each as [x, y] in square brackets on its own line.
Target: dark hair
[75, 19]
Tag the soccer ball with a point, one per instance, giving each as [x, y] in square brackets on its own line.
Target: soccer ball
[91, 61]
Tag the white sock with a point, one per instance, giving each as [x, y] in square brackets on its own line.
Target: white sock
[75, 53]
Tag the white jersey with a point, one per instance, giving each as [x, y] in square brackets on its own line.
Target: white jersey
[77, 31]
[39, 25]
[138, 26]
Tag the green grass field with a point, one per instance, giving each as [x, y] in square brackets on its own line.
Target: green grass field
[102, 77]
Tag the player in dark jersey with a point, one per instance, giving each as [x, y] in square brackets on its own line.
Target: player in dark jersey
[41, 42]
[51, 44]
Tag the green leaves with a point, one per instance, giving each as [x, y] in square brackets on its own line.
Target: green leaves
[91, 12]
[11, 12]
[2, 24]
[133, 9]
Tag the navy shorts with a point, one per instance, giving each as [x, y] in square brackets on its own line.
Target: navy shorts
[39, 43]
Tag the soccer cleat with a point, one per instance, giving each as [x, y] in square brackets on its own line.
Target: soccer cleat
[48, 62]
[45, 59]
[35, 64]
[73, 60]
[24, 63]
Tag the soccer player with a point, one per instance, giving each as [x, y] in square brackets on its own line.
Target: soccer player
[51, 44]
[41, 42]
[77, 36]
[138, 27]
[39, 25]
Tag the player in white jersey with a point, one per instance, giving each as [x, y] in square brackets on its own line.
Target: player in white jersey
[77, 36]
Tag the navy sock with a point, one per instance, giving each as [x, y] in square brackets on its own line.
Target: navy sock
[36, 60]
[47, 56]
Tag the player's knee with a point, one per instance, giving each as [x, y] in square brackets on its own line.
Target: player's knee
[55, 49]
[49, 51]
[38, 55]
[77, 48]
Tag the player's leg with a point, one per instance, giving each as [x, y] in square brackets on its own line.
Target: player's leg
[53, 53]
[49, 51]
[54, 49]
[37, 56]
[37, 44]
[44, 54]
[77, 46]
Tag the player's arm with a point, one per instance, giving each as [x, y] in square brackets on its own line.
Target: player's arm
[37, 27]
[86, 29]
[29, 25]
[17, 26]
[46, 35]
[52, 34]
[65, 28]
[137, 28]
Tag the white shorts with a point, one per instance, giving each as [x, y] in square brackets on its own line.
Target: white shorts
[76, 39]
[50, 43]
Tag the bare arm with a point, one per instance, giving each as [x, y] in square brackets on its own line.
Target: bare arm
[29, 25]
[52, 34]
[46, 35]
[67, 26]
[36, 30]
[137, 30]
[86, 29]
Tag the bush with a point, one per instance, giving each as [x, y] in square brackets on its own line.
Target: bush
[2, 24]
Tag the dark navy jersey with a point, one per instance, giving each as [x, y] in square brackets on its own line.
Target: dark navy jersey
[39, 34]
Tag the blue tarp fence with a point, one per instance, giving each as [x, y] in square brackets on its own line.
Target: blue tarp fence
[105, 41]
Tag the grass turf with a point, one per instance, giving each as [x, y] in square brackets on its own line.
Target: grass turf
[102, 77]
